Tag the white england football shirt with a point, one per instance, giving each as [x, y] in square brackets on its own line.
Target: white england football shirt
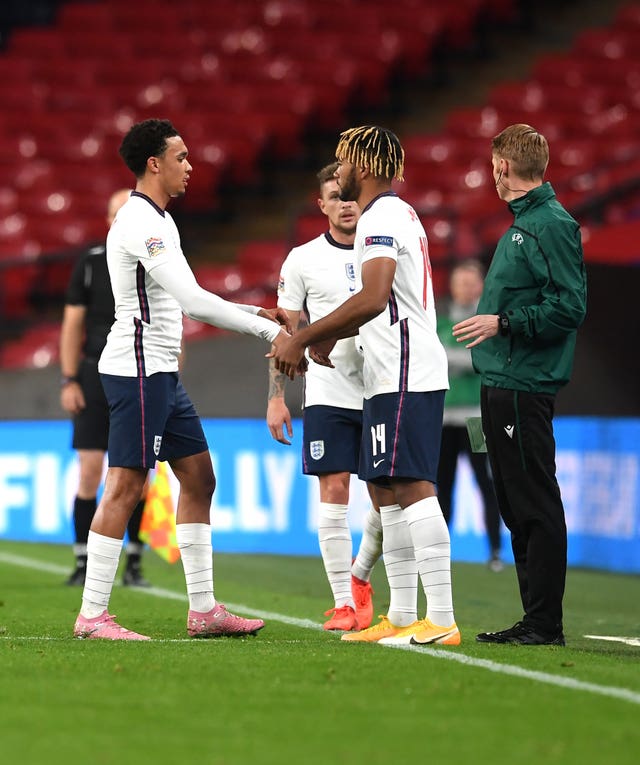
[318, 277]
[152, 286]
[402, 351]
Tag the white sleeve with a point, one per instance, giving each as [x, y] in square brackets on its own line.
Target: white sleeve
[179, 281]
[377, 237]
[292, 291]
[254, 309]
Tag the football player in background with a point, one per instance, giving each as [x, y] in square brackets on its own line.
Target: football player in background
[87, 319]
[405, 378]
[317, 277]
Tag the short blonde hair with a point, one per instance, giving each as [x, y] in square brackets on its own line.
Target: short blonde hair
[525, 148]
[376, 148]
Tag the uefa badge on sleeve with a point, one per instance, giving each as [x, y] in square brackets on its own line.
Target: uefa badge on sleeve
[316, 449]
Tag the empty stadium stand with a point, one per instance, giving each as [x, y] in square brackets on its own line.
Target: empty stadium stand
[249, 83]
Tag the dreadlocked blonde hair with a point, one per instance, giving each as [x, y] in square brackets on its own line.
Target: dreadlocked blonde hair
[375, 148]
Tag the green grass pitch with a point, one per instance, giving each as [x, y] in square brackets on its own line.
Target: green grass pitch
[296, 694]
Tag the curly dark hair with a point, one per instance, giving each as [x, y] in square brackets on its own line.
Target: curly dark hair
[145, 139]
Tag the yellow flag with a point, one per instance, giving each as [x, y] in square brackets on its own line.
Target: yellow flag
[158, 525]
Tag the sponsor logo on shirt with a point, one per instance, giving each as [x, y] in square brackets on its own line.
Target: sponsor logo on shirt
[517, 238]
[316, 448]
[281, 284]
[155, 246]
[385, 241]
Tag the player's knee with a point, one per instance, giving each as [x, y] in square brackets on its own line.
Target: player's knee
[206, 485]
[210, 485]
[334, 488]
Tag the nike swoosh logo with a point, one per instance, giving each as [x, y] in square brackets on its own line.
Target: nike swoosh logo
[433, 638]
[377, 462]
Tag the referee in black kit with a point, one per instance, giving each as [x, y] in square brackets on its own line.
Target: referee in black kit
[88, 316]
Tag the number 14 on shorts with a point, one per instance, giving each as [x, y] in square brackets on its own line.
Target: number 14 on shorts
[378, 443]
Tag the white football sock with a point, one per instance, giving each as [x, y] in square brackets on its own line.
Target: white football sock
[334, 537]
[370, 546]
[400, 565]
[432, 548]
[103, 554]
[194, 543]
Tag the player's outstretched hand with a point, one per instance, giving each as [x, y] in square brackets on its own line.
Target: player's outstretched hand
[319, 352]
[288, 355]
[279, 315]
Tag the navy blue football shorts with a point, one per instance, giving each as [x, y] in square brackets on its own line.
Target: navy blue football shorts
[151, 418]
[401, 435]
[330, 439]
[91, 424]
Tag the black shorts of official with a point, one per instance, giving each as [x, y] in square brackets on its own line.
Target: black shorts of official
[330, 439]
[151, 418]
[91, 424]
[401, 435]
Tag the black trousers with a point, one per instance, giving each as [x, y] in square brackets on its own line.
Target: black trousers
[455, 441]
[518, 427]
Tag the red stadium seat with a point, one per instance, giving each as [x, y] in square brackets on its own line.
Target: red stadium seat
[18, 276]
[23, 98]
[36, 43]
[78, 17]
[8, 201]
[540, 97]
[218, 136]
[260, 262]
[38, 347]
[308, 226]
[223, 280]
[628, 17]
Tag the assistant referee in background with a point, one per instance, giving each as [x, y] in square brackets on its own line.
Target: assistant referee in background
[88, 316]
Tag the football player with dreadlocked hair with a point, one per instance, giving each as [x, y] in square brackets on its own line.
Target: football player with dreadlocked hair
[405, 378]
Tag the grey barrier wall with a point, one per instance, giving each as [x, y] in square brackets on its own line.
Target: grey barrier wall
[225, 376]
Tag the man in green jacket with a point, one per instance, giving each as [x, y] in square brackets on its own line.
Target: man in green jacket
[523, 339]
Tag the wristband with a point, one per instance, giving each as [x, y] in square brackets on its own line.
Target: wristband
[503, 324]
[66, 380]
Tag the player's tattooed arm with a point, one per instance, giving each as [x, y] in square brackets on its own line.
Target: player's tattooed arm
[278, 415]
[277, 381]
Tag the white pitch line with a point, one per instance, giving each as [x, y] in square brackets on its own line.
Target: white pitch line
[190, 641]
[616, 639]
[541, 677]
[623, 694]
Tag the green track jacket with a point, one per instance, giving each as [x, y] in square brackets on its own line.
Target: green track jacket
[537, 277]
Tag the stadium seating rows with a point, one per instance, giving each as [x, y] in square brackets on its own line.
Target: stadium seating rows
[70, 93]
[243, 80]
